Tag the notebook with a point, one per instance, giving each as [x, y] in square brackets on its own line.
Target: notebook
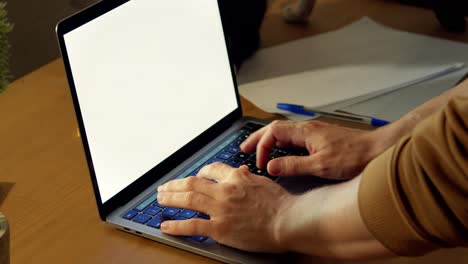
[156, 99]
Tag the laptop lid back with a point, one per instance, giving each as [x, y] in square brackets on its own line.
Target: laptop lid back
[151, 80]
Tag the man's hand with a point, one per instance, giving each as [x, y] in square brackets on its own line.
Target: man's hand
[253, 213]
[335, 152]
[244, 208]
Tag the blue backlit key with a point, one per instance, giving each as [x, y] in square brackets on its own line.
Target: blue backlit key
[224, 155]
[157, 204]
[187, 213]
[130, 214]
[199, 238]
[233, 149]
[156, 221]
[146, 202]
[170, 212]
[142, 218]
[234, 162]
[237, 142]
[177, 217]
[203, 216]
[151, 210]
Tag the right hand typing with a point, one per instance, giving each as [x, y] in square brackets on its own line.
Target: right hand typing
[336, 152]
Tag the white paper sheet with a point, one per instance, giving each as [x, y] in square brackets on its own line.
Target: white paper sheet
[322, 87]
[394, 105]
[363, 57]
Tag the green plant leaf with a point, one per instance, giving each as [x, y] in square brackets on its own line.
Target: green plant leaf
[5, 28]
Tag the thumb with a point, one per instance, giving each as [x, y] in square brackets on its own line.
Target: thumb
[290, 166]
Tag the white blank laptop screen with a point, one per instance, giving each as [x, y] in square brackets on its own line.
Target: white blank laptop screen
[150, 76]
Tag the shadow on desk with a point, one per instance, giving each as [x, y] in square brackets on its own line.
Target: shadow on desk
[5, 188]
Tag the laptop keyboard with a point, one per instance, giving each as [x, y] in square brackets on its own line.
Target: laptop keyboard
[149, 212]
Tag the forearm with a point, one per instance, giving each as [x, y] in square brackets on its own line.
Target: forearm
[419, 186]
[389, 135]
[327, 222]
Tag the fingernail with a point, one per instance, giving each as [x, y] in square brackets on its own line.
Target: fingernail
[161, 188]
[164, 226]
[161, 197]
[274, 168]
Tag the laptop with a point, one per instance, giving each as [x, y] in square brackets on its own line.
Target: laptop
[156, 99]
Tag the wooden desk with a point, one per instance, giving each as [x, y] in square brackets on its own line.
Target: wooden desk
[51, 207]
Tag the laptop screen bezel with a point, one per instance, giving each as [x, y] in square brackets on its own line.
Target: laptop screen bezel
[124, 196]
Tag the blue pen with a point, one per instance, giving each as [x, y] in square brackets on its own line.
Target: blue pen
[302, 110]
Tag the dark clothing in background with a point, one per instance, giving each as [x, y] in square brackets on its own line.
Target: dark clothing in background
[242, 20]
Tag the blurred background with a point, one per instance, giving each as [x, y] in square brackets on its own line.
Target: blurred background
[34, 43]
[33, 37]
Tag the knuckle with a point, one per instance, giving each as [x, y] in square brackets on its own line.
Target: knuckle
[310, 126]
[275, 126]
[177, 226]
[275, 123]
[228, 189]
[314, 125]
[174, 227]
[190, 199]
[215, 165]
[290, 165]
[322, 168]
[190, 183]
[231, 196]
[205, 169]
[244, 174]
[318, 160]
[203, 227]
[232, 174]
[319, 165]
[194, 227]
[309, 145]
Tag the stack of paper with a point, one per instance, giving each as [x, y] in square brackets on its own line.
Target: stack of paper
[364, 68]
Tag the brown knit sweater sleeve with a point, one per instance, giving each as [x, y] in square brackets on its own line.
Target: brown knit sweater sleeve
[414, 197]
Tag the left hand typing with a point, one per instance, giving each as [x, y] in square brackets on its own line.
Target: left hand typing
[245, 208]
